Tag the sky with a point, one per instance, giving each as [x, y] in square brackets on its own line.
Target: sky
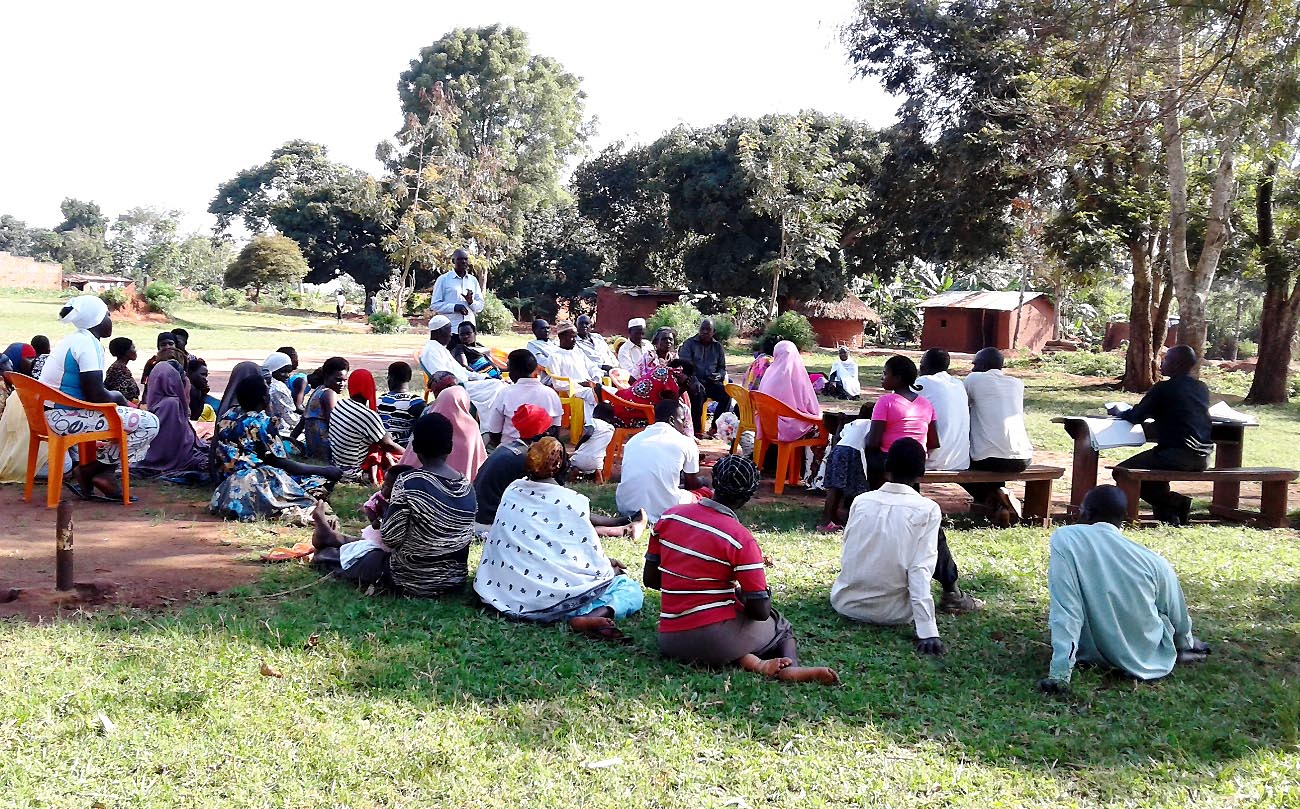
[155, 104]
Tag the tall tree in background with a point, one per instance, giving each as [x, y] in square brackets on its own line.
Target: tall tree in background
[82, 233]
[521, 116]
[563, 254]
[145, 245]
[265, 262]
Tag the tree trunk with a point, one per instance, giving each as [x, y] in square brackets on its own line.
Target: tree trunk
[1139, 361]
[1281, 303]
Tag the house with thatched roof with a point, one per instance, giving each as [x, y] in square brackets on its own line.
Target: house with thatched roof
[839, 322]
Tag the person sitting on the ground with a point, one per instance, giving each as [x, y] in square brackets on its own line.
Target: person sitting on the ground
[196, 371]
[1180, 409]
[327, 535]
[543, 561]
[661, 466]
[1113, 602]
[399, 407]
[843, 382]
[593, 346]
[182, 339]
[315, 425]
[947, 395]
[846, 472]
[118, 375]
[297, 381]
[541, 344]
[506, 463]
[891, 547]
[716, 608]
[359, 444]
[631, 352]
[428, 526]
[167, 350]
[709, 360]
[901, 413]
[279, 366]
[999, 441]
[177, 453]
[41, 345]
[76, 367]
[497, 420]
[472, 354]
[589, 455]
[467, 453]
[257, 478]
[435, 357]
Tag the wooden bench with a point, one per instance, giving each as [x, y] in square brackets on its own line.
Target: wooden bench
[1273, 493]
[1038, 486]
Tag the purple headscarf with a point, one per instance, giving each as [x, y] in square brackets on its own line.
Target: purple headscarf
[176, 449]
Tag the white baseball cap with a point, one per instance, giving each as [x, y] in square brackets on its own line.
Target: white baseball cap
[636, 321]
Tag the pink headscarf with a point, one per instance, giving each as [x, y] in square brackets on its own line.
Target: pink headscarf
[786, 380]
[467, 450]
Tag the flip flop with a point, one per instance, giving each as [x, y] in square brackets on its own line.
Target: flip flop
[608, 633]
[299, 551]
[94, 496]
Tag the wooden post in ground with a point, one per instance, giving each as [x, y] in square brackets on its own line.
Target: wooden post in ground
[63, 574]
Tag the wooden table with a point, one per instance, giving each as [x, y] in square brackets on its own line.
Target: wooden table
[1229, 437]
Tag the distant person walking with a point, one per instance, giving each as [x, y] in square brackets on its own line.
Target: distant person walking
[340, 301]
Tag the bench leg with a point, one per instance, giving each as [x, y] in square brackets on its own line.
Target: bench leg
[1038, 502]
[1272, 503]
[1227, 455]
[1132, 491]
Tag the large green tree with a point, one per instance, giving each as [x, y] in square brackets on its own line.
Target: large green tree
[265, 262]
[82, 234]
[145, 244]
[563, 254]
[520, 115]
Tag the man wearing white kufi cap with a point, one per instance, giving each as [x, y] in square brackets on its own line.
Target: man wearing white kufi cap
[76, 367]
[632, 350]
[435, 357]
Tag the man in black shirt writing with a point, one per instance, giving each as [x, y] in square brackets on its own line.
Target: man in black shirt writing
[1180, 408]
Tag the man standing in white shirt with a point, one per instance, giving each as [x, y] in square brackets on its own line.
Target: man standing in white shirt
[593, 345]
[633, 349]
[457, 294]
[340, 300]
[661, 467]
[568, 362]
[894, 545]
[527, 389]
[998, 439]
[435, 357]
[947, 394]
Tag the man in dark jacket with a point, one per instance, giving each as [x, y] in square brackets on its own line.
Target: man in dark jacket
[710, 360]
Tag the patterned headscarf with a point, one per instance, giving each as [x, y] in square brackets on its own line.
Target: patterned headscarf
[735, 477]
[545, 459]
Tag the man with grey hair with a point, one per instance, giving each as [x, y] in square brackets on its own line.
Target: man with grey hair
[457, 294]
[709, 360]
[593, 346]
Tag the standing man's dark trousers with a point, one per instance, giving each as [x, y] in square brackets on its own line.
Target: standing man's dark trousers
[709, 390]
[1165, 503]
[984, 492]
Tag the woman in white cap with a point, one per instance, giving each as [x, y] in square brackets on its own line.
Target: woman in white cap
[76, 367]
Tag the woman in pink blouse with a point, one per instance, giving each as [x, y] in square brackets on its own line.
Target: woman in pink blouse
[901, 413]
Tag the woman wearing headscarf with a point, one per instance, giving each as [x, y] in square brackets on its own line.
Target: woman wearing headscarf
[467, 450]
[168, 349]
[279, 367]
[20, 357]
[359, 444]
[257, 477]
[177, 452]
[76, 367]
[787, 381]
[716, 608]
[543, 561]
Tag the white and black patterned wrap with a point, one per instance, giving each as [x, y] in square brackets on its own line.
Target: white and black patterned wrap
[542, 559]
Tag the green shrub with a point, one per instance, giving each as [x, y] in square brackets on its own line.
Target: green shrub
[114, 297]
[1247, 349]
[790, 326]
[161, 297]
[1079, 363]
[682, 318]
[382, 323]
[212, 296]
[495, 317]
[724, 328]
[234, 299]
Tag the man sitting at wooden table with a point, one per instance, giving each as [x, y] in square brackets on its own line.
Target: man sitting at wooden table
[1180, 408]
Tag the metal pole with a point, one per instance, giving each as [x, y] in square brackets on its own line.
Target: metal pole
[63, 574]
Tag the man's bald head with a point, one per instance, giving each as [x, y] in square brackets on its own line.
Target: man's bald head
[1179, 360]
[987, 359]
[1104, 504]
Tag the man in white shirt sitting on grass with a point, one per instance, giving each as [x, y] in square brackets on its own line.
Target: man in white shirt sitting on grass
[893, 547]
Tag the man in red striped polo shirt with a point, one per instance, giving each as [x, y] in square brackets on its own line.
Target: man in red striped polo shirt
[716, 607]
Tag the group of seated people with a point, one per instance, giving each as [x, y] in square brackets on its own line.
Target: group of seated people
[283, 439]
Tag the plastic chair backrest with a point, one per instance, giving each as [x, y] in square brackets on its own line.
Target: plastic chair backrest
[568, 386]
[647, 411]
[35, 395]
[768, 410]
[740, 395]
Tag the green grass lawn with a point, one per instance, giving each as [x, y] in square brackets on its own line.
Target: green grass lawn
[386, 702]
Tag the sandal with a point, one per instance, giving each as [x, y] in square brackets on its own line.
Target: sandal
[282, 554]
[95, 496]
[607, 633]
[829, 528]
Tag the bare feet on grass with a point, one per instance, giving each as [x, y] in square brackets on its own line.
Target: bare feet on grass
[783, 668]
[323, 534]
[590, 624]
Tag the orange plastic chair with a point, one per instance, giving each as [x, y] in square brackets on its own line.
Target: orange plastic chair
[740, 395]
[767, 411]
[574, 408]
[614, 452]
[34, 397]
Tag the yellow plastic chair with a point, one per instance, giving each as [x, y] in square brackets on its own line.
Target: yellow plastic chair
[34, 397]
[574, 408]
[768, 411]
[740, 395]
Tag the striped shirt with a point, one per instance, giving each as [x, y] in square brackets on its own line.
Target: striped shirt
[399, 410]
[704, 554]
[429, 526]
[354, 429]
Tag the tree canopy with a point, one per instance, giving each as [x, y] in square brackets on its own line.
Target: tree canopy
[266, 261]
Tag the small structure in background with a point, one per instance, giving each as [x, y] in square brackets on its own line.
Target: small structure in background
[615, 306]
[969, 321]
[842, 322]
[27, 273]
[94, 284]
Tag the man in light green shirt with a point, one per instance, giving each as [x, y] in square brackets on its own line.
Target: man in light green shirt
[1113, 602]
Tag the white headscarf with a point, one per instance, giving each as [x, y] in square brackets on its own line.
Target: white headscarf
[275, 362]
[86, 311]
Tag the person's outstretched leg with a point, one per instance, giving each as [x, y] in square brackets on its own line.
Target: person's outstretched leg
[324, 534]
[783, 668]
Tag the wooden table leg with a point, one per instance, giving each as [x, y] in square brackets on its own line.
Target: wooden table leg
[1083, 476]
[1132, 489]
[1038, 502]
[1227, 455]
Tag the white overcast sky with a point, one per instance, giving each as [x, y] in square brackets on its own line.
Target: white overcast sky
[155, 104]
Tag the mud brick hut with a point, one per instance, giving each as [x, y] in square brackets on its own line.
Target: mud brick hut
[840, 322]
[969, 321]
[615, 306]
